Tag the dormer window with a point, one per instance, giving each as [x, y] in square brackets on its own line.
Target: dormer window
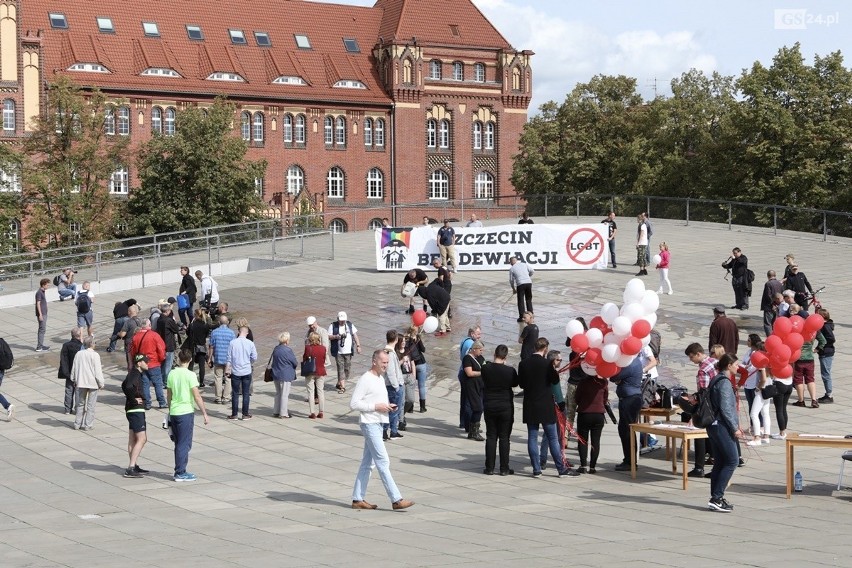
[221, 76]
[90, 67]
[289, 80]
[160, 72]
[58, 21]
[105, 25]
[151, 29]
[237, 37]
[262, 39]
[302, 41]
[346, 84]
[194, 32]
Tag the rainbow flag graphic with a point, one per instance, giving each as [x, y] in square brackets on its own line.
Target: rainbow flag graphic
[396, 237]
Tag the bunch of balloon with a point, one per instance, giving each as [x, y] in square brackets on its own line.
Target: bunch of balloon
[784, 346]
[421, 318]
[617, 335]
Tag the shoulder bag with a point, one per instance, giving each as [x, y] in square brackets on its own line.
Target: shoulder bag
[267, 374]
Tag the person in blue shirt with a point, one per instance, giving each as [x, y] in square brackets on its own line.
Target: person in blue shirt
[447, 246]
[629, 391]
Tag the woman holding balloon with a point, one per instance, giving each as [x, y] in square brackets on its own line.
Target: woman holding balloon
[662, 263]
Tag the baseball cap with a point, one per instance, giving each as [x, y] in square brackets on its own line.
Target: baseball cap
[141, 358]
[311, 320]
[720, 309]
[341, 316]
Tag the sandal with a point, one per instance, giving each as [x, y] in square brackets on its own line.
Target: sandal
[799, 403]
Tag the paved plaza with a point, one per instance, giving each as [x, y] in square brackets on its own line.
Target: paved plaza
[277, 492]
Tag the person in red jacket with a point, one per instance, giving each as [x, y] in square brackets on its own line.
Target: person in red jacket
[149, 343]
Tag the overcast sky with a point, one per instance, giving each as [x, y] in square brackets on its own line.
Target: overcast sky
[657, 40]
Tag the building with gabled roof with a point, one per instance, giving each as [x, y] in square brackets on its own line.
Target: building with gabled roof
[407, 101]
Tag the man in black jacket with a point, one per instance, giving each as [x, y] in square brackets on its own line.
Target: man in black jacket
[188, 287]
[439, 302]
[767, 301]
[738, 265]
[66, 360]
[168, 329]
[629, 393]
[798, 283]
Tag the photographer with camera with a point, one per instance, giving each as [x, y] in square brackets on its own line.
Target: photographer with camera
[737, 266]
[65, 284]
[344, 343]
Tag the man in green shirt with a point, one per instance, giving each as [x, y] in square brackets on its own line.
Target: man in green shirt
[183, 397]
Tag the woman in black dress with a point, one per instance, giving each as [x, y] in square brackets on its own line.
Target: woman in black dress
[498, 379]
[472, 365]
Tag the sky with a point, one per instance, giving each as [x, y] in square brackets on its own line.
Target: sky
[655, 41]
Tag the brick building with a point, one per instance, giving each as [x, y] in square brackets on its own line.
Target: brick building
[407, 101]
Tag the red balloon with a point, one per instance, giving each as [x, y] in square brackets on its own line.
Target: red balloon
[810, 335]
[759, 359]
[782, 327]
[781, 355]
[598, 323]
[798, 323]
[782, 371]
[814, 323]
[418, 317]
[794, 341]
[631, 345]
[593, 356]
[772, 343]
[795, 356]
[606, 369]
[579, 343]
[640, 329]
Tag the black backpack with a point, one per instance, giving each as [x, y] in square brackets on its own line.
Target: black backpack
[6, 357]
[84, 303]
[703, 415]
[649, 391]
[56, 280]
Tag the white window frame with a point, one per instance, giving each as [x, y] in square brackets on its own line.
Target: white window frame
[123, 121]
[435, 69]
[490, 129]
[299, 130]
[157, 120]
[477, 135]
[109, 121]
[458, 71]
[169, 121]
[328, 130]
[444, 134]
[375, 184]
[258, 186]
[431, 133]
[379, 133]
[479, 72]
[340, 131]
[119, 181]
[10, 182]
[368, 132]
[9, 115]
[483, 187]
[295, 180]
[439, 186]
[337, 226]
[245, 125]
[335, 183]
[257, 127]
[287, 128]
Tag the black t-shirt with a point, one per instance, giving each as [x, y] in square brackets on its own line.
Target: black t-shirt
[529, 335]
[498, 380]
[474, 384]
[132, 388]
[419, 276]
[612, 227]
[444, 278]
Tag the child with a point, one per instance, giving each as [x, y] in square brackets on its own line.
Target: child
[663, 267]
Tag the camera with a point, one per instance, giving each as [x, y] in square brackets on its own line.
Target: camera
[73, 272]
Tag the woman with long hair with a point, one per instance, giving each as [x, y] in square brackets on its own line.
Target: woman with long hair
[723, 432]
[663, 267]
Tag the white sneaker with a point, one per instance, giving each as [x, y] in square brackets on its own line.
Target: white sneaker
[765, 441]
[753, 443]
[670, 292]
[778, 436]
[660, 291]
[10, 411]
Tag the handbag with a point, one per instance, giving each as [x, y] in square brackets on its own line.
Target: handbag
[769, 391]
[406, 367]
[267, 374]
[309, 367]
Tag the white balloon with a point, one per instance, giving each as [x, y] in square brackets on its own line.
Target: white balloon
[609, 312]
[657, 259]
[652, 319]
[611, 338]
[621, 325]
[588, 369]
[430, 325]
[572, 328]
[633, 311]
[624, 360]
[650, 301]
[610, 353]
[634, 290]
[595, 337]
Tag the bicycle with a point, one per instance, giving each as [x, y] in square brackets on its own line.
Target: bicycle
[811, 300]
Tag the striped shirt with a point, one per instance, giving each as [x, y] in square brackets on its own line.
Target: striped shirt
[706, 372]
[220, 339]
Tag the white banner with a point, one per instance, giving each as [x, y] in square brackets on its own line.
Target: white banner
[543, 247]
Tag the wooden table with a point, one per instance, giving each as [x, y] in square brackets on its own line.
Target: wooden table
[684, 433]
[654, 413]
[810, 441]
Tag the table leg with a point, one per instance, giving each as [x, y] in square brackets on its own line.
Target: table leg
[632, 453]
[685, 455]
[790, 467]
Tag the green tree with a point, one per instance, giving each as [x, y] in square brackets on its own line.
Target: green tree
[198, 177]
[67, 163]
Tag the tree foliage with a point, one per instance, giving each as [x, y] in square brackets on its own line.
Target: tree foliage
[66, 166]
[198, 177]
[11, 202]
[778, 135]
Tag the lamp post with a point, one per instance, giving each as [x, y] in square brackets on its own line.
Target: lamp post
[450, 164]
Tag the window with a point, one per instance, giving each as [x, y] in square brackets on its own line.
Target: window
[337, 226]
[484, 186]
[375, 184]
[439, 185]
[347, 84]
[258, 187]
[150, 29]
[335, 183]
[340, 131]
[329, 131]
[458, 71]
[454, 29]
[289, 80]
[9, 181]
[105, 25]
[516, 79]
[9, 115]
[375, 223]
[194, 32]
[124, 121]
[479, 72]
[118, 182]
[160, 72]
[368, 132]
[431, 133]
[237, 37]
[351, 45]
[477, 135]
[109, 121]
[434, 69]
[406, 71]
[299, 132]
[91, 67]
[221, 76]
[444, 134]
[295, 179]
[489, 136]
[14, 236]
[379, 134]
[302, 41]
[257, 127]
[245, 126]
[169, 128]
[262, 39]
[58, 21]
[157, 120]
[288, 128]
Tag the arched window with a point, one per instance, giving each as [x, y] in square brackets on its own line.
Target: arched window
[375, 223]
[335, 183]
[109, 121]
[516, 79]
[300, 129]
[458, 71]
[288, 128]
[119, 181]
[169, 127]
[340, 131]
[483, 186]
[477, 135]
[406, 71]
[439, 185]
[257, 127]
[368, 132]
[489, 135]
[337, 226]
[245, 126]
[9, 115]
[435, 69]
[124, 121]
[479, 72]
[431, 133]
[375, 184]
[295, 179]
[379, 134]
[444, 134]
[329, 131]
[156, 120]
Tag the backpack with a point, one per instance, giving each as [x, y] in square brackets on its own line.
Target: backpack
[84, 303]
[702, 414]
[649, 391]
[6, 357]
[749, 275]
[656, 341]
[56, 280]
